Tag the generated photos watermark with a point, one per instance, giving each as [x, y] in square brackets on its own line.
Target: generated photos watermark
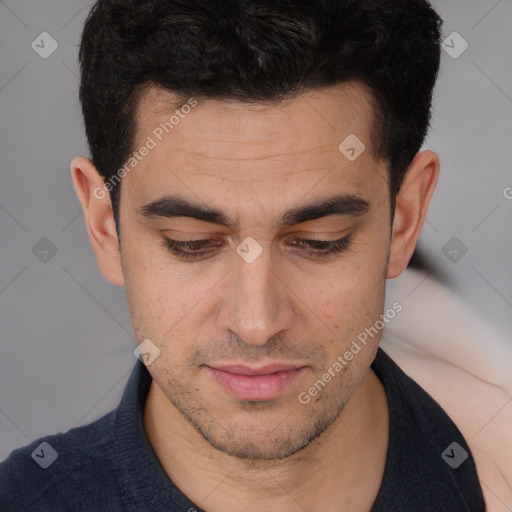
[137, 156]
[355, 347]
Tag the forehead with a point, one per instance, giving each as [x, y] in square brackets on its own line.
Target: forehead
[224, 150]
[216, 127]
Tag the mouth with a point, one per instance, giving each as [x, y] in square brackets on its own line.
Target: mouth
[255, 383]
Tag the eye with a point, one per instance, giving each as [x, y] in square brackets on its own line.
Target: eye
[321, 248]
[189, 249]
[195, 249]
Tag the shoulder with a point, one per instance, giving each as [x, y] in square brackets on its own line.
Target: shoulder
[429, 464]
[59, 470]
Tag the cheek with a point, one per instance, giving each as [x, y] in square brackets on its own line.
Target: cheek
[351, 288]
[152, 290]
[165, 297]
[349, 299]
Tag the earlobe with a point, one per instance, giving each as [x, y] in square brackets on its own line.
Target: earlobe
[99, 218]
[411, 209]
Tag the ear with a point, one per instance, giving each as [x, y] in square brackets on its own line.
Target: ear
[411, 209]
[99, 218]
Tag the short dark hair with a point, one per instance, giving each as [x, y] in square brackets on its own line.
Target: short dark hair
[259, 51]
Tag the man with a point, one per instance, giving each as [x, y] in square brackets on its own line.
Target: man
[256, 176]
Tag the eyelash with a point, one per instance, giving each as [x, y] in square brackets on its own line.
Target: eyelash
[331, 247]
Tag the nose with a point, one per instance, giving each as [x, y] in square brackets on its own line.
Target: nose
[258, 303]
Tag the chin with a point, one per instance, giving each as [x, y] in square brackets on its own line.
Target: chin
[266, 437]
[259, 448]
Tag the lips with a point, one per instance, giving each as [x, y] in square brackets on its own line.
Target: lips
[253, 383]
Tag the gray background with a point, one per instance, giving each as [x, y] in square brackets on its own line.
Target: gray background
[66, 337]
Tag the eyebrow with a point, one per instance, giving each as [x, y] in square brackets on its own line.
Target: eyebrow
[175, 205]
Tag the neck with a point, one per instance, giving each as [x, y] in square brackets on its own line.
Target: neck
[342, 468]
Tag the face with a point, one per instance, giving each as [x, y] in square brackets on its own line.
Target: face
[254, 252]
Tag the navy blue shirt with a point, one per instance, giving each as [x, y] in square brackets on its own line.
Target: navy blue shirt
[109, 465]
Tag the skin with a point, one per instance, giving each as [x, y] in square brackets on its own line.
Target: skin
[254, 162]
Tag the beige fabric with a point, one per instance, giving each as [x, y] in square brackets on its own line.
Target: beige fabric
[465, 366]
